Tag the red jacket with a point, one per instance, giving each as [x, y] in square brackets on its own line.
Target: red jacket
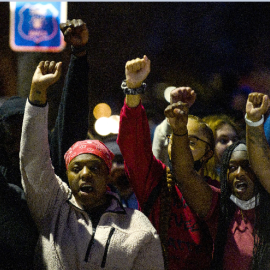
[189, 242]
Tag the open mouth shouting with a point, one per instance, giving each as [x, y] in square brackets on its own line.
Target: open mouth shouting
[241, 186]
[86, 189]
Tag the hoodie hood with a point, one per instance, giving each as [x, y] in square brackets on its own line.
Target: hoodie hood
[13, 106]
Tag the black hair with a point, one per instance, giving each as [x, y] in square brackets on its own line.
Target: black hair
[227, 209]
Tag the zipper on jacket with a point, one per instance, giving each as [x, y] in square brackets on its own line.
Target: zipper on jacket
[89, 246]
[107, 247]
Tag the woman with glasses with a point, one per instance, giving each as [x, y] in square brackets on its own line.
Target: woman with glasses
[202, 147]
[225, 132]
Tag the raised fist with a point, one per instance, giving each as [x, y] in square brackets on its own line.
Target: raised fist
[75, 32]
[256, 106]
[137, 71]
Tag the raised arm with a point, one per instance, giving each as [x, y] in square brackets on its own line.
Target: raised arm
[134, 133]
[46, 74]
[160, 141]
[136, 71]
[38, 178]
[257, 145]
[194, 188]
[72, 121]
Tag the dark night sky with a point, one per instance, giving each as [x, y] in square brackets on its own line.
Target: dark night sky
[187, 44]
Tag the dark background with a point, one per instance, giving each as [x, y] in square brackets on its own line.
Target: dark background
[218, 48]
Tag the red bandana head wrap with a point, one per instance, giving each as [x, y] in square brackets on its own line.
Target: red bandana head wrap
[94, 147]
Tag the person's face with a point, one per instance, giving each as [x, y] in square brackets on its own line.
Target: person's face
[240, 176]
[225, 136]
[12, 137]
[197, 140]
[87, 176]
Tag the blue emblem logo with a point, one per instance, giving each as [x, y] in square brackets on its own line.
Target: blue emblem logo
[36, 26]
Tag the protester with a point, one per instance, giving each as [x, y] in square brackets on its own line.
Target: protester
[73, 107]
[84, 226]
[185, 238]
[226, 132]
[233, 211]
[258, 151]
[18, 233]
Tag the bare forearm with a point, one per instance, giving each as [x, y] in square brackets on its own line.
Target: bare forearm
[133, 101]
[182, 159]
[195, 190]
[259, 154]
[38, 95]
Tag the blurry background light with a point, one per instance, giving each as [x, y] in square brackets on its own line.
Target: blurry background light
[102, 110]
[167, 92]
[114, 119]
[106, 125]
[102, 126]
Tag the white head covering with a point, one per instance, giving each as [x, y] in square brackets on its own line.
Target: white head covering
[240, 147]
[251, 203]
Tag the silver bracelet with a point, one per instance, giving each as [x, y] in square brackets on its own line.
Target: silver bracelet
[133, 91]
[254, 124]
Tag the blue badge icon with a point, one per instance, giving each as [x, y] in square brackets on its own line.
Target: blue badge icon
[34, 26]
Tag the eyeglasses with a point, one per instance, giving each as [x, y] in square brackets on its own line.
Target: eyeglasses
[193, 141]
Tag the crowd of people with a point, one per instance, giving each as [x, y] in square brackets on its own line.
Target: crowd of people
[196, 197]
